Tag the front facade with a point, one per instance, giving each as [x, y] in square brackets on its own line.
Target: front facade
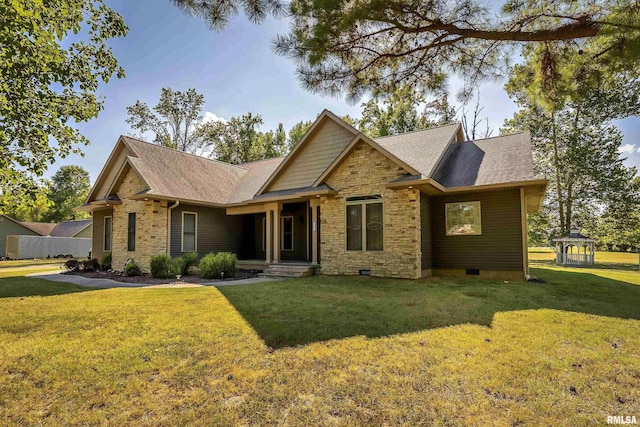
[404, 206]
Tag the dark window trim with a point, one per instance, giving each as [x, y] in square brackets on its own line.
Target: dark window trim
[131, 232]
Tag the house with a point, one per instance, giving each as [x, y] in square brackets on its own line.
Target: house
[409, 205]
[10, 226]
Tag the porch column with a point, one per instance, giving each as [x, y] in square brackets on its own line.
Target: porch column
[314, 203]
[276, 233]
[268, 231]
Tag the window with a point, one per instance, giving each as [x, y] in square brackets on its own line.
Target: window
[463, 219]
[131, 232]
[287, 233]
[189, 231]
[108, 221]
[365, 224]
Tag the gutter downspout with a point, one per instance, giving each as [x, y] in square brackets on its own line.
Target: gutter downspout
[170, 208]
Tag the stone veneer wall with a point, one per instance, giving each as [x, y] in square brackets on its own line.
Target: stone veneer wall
[366, 172]
[151, 225]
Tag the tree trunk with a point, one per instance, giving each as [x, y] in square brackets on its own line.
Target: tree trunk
[556, 164]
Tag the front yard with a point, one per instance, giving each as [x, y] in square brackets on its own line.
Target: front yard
[325, 351]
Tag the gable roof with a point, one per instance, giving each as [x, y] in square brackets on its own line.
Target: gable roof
[70, 228]
[423, 149]
[42, 228]
[435, 155]
[172, 173]
[304, 141]
[497, 160]
[34, 227]
[257, 174]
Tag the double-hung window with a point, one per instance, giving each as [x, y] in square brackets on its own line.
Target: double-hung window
[131, 232]
[189, 231]
[108, 227]
[365, 224]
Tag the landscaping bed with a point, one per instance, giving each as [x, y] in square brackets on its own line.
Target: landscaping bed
[147, 279]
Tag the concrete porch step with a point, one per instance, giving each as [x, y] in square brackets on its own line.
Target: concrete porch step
[289, 270]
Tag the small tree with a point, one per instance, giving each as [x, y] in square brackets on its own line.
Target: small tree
[68, 189]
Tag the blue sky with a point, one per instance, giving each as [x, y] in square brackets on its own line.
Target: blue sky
[237, 72]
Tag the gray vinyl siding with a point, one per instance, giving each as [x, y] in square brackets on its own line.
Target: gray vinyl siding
[8, 228]
[499, 247]
[425, 231]
[86, 233]
[216, 231]
[97, 244]
[312, 159]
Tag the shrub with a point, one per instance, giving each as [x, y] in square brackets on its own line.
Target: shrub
[105, 262]
[132, 269]
[72, 265]
[218, 266]
[163, 267]
[90, 264]
[187, 260]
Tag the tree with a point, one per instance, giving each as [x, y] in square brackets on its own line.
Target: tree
[354, 47]
[22, 205]
[297, 132]
[570, 115]
[398, 112]
[54, 55]
[236, 141]
[471, 127]
[176, 121]
[68, 189]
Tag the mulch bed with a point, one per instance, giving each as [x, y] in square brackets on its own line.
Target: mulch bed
[148, 280]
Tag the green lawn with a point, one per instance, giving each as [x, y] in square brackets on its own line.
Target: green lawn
[30, 262]
[325, 351]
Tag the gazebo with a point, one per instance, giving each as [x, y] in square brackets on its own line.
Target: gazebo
[574, 248]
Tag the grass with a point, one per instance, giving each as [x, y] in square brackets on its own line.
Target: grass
[347, 352]
[29, 262]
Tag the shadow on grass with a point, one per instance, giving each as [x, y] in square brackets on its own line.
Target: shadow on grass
[302, 311]
[12, 287]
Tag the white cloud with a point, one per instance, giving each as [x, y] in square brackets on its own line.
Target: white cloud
[638, 150]
[627, 148]
[210, 117]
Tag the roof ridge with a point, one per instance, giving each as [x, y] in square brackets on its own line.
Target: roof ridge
[497, 136]
[184, 152]
[416, 131]
[262, 160]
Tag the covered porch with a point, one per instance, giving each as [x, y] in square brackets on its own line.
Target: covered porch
[283, 233]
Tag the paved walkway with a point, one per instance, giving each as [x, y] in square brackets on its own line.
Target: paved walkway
[108, 283]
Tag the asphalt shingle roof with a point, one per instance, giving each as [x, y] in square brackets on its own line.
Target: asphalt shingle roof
[497, 160]
[70, 228]
[42, 228]
[176, 174]
[420, 149]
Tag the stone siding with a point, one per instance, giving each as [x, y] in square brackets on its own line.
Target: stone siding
[367, 172]
[151, 225]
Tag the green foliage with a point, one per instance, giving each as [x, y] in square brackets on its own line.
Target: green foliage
[297, 132]
[398, 112]
[53, 58]
[189, 259]
[105, 262]
[132, 269]
[68, 189]
[176, 121]
[25, 203]
[570, 107]
[163, 267]
[239, 140]
[220, 265]
[356, 47]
